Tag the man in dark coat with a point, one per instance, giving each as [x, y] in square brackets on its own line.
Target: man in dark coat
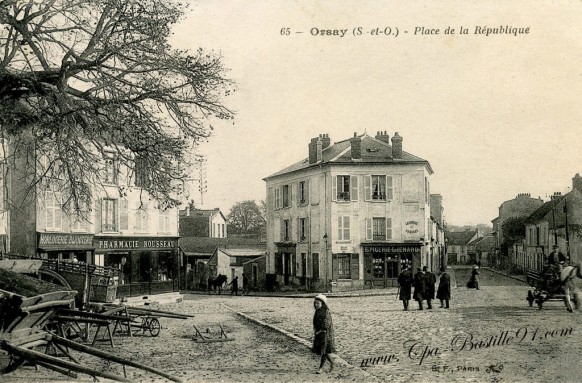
[444, 290]
[405, 282]
[430, 281]
[419, 283]
[234, 284]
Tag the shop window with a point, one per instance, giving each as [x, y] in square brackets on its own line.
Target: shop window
[53, 210]
[109, 215]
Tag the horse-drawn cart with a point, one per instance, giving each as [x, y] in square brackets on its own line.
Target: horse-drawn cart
[546, 286]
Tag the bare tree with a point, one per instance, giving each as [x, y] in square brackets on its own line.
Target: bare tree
[81, 79]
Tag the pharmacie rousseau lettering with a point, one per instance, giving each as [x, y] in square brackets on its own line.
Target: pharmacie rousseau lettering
[134, 244]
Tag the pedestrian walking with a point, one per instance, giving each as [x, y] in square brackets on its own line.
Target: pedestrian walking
[430, 289]
[234, 288]
[323, 336]
[474, 280]
[419, 282]
[444, 290]
[405, 282]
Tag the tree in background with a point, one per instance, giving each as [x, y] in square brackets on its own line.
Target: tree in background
[513, 231]
[80, 79]
[246, 217]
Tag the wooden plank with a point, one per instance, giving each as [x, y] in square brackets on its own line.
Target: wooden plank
[108, 356]
[21, 265]
[35, 356]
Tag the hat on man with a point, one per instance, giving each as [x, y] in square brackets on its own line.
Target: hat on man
[322, 298]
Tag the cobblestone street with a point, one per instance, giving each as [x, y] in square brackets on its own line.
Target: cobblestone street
[525, 344]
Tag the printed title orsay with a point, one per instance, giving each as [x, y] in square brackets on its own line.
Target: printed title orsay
[352, 215]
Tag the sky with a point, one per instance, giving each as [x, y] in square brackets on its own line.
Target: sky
[495, 115]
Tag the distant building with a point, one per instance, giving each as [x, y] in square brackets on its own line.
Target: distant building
[458, 245]
[521, 206]
[437, 236]
[202, 223]
[556, 222]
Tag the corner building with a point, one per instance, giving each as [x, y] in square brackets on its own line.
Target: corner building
[349, 216]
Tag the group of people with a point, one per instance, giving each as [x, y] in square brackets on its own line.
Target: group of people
[424, 287]
[234, 285]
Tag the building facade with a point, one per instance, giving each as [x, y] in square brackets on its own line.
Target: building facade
[521, 206]
[202, 223]
[350, 215]
[124, 231]
[459, 250]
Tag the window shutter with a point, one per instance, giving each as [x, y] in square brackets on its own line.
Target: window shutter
[307, 191]
[298, 229]
[98, 216]
[369, 229]
[298, 193]
[389, 190]
[306, 228]
[290, 230]
[334, 188]
[48, 197]
[388, 228]
[123, 215]
[367, 188]
[103, 215]
[339, 228]
[355, 266]
[58, 211]
[354, 187]
[282, 231]
[292, 193]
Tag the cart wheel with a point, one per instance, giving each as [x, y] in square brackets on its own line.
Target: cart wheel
[155, 327]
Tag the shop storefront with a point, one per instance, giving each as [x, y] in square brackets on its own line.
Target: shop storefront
[383, 262]
[65, 247]
[148, 265]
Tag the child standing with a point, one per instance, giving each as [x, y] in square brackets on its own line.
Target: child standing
[323, 338]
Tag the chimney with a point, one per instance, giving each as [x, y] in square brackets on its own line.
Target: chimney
[319, 149]
[397, 146]
[383, 136]
[325, 140]
[313, 151]
[356, 147]
[556, 195]
[577, 182]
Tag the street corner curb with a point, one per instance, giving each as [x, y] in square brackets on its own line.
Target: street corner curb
[338, 360]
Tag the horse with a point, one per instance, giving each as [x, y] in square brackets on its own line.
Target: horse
[217, 283]
[571, 278]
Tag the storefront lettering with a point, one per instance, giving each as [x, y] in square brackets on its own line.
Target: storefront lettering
[118, 244]
[412, 227]
[392, 249]
[134, 244]
[65, 240]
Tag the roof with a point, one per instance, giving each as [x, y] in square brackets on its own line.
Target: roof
[541, 212]
[206, 245]
[243, 252]
[460, 237]
[201, 213]
[374, 151]
[485, 243]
